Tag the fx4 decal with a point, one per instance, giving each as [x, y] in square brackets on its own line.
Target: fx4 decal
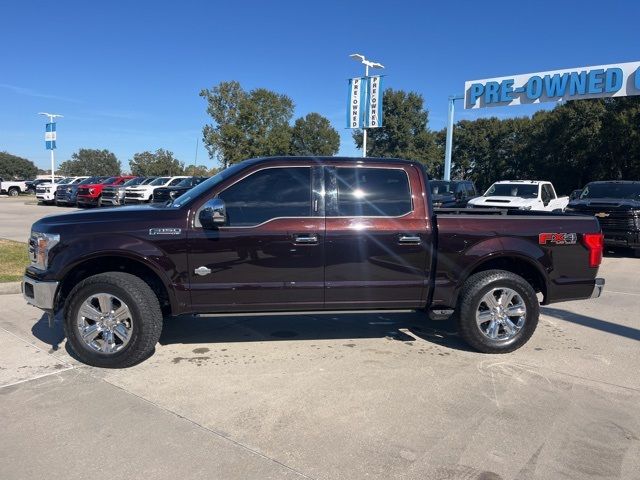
[557, 238]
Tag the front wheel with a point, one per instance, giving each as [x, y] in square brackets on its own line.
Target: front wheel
[112, 320]
[497, 311]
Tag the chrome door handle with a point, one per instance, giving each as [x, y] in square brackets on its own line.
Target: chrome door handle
[410, 240]
[306, 239]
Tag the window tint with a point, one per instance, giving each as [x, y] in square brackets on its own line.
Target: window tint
[368, 192]
[546, 193]
[267, 194]
[174, 182]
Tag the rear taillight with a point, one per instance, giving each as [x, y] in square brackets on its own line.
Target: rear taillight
[595, 244]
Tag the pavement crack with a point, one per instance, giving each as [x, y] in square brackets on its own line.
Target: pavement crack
[209, 430]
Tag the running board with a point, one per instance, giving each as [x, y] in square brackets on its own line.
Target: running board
[302, 312]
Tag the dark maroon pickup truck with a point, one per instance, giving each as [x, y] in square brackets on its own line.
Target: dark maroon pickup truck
[294, 234]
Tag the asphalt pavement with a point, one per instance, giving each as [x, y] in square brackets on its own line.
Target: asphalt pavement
[17, 214]
[329, 396]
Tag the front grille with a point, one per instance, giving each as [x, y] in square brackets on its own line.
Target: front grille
[134, 195]
[110, 193]
[614, 220]
[83, 191]
[161, 196]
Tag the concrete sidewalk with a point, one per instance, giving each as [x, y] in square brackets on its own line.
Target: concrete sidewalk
[332, 396]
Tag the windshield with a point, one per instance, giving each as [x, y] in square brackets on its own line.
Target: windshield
[186, 182]
[160, 181]
[109, 180]
[512, 190]
[133, 181]
[612, 190]
[440, 187]
[64, 180]
[88, 181]
[208, 184]
[148, 180]
[73, 181]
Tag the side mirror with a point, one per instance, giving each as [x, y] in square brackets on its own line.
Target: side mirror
[213, 214]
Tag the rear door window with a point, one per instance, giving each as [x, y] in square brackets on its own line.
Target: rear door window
[372, 192]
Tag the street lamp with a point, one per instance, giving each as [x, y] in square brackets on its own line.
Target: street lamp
[51, 116]
[367, 64]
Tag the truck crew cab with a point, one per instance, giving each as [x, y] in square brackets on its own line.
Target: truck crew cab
[298, 234]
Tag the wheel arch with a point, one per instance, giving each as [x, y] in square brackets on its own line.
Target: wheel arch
[514, 262]
[112, 262]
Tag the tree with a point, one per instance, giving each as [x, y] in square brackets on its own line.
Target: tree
[18, 168]
[405, 132]
[314, 135]
[246, 124]
[160, 162]
[88, 161]
[196, 171]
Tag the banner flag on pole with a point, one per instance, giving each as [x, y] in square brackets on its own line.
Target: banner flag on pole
[50, 136]
[354, 108]
[374, 105]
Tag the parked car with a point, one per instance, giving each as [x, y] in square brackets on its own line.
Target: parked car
[113, 196]
[32, 184]
[616, 204]
[144, 193]
[12, 188]
[165, 194]
[307, 233]
[521, 195]
[89, 195]
[67, 194]
[451, 193]
[46, 192]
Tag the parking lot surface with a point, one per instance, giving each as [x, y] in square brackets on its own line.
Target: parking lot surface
[331, 396]
[18, 213]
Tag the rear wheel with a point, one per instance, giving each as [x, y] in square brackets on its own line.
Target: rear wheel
[13, 192]
[112, 320]
[497, 311]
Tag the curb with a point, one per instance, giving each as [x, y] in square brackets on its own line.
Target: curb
[10, 288]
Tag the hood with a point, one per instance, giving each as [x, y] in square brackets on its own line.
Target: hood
[605, 203]
[495, 201]
[111, 219]
[443, 197]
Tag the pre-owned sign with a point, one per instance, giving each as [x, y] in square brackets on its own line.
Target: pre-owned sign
[618, 80]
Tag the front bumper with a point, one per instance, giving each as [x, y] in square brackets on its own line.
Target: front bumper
[598, 288]
[39, 294]
[84, 201]
[112, 201]
[621, 238]
[134, 201]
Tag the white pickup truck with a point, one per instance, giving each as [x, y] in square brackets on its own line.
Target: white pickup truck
[521, 195]
[12, 189]
[144, 193]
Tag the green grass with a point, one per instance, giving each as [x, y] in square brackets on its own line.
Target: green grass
[13, 260]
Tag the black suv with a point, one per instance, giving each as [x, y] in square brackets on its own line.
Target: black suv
[616, 204]
[452, 193]
[166, 194]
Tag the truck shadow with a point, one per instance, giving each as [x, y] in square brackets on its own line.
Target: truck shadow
[595, 323]
[187, 329]
[404, 327]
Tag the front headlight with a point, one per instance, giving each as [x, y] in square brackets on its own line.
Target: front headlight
[40, 244]
[69, 189]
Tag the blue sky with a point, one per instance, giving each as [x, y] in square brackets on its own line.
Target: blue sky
[126, 74]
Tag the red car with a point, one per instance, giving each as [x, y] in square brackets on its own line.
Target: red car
[89, 195]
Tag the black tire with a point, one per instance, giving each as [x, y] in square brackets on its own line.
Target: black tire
[14, 192]
[636, 252]
[145, 311]
[474, 289]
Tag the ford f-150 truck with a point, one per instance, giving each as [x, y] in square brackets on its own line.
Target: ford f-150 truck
[297, 234]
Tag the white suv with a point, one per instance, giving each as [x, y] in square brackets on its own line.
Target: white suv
[144, 193]
[46, 192]
[521, 195]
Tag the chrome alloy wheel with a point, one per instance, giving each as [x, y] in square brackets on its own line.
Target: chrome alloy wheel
[105, 323]
[501, 314]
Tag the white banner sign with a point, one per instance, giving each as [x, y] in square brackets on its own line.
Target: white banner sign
[374, 109]
[354, 110]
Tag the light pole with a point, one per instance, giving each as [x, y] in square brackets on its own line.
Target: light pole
[449, 141]
[367, 63]
[51, 116]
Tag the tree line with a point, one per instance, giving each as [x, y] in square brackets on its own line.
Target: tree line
[570, 145]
